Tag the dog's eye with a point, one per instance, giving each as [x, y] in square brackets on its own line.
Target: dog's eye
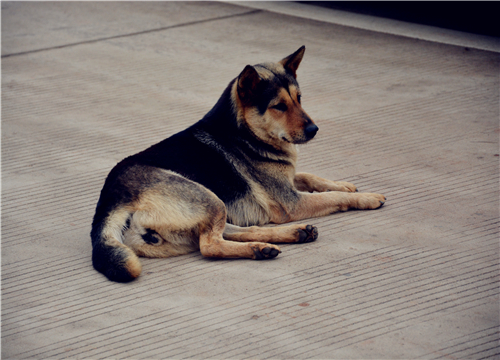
[280, 107]
[298, 98]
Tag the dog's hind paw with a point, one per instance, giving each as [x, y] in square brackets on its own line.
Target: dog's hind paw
[265, 251]
[308, 234]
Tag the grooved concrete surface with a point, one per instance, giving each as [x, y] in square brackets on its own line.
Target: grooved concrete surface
[86, 84]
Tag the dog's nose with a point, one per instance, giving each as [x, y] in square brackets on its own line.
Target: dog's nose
[311, 130]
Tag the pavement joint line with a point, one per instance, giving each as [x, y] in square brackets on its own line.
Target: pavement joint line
[377, 24]
[92, 41]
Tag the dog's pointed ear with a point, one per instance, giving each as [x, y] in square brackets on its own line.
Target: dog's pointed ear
[248, 81]
[291, 63]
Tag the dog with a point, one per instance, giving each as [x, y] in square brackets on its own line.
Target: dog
[209, 187]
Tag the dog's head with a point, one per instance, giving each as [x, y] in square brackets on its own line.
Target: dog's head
[268, 101]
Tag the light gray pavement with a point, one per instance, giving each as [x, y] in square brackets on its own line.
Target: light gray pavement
[86, 84]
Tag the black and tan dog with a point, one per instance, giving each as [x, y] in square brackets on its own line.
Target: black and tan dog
[206, 187]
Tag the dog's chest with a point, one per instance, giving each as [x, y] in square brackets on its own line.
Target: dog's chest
[270, 195]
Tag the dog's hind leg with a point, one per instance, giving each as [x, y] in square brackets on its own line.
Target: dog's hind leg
[275, 234]
[213, 244]
[167, 216]
[177, 216]
[161, 239]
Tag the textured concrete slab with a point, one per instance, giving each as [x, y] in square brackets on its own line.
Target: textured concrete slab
[86, 84]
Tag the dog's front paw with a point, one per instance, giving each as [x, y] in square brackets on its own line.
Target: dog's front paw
[370, 201]
[308, 234]
[345, 186]
[265, 251]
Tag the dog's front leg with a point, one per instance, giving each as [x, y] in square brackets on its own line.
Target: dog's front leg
[321, 204]
[311, 183]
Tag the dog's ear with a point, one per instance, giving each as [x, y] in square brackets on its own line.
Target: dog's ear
[248, 81]
[291, 63]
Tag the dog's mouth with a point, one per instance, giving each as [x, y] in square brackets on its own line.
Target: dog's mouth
[307, 134]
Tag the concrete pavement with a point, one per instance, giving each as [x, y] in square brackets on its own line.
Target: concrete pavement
[85, 84]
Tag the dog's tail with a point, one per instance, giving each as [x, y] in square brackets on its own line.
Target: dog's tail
[109, 255]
